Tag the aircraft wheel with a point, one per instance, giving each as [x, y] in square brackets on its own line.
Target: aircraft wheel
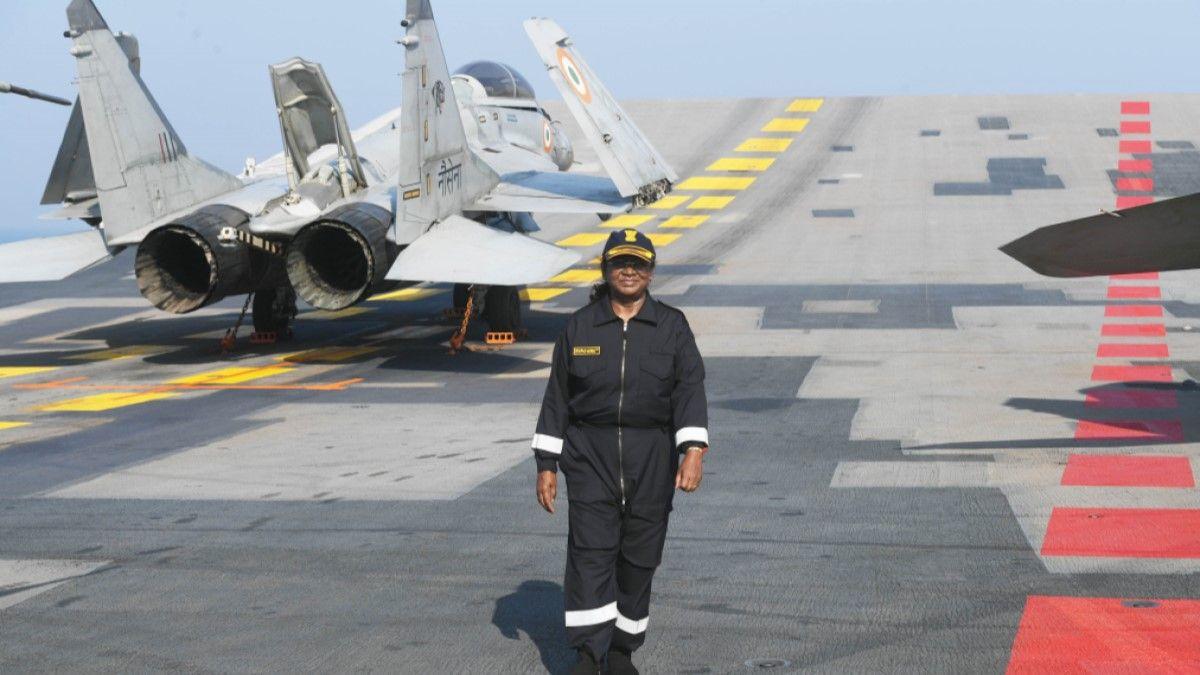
[274, 309]
[461, 293]
[502, 309]
[604, 217]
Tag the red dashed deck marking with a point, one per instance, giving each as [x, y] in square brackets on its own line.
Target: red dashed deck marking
[1134, 293]
[1131, 373]
[1119, 311]
[1132, 398]
[1135, 166]
[1135, 127]
[1133, 330]
[1136, 276]
[1135, 184]
[1132, 351]
[1110, 636]
[1123, 533]
[1127, 202]
[1129, 471]
[1132, 430]
[1134, 147]
[1135, 107]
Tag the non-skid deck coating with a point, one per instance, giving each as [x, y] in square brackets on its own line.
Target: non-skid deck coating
[925, 457]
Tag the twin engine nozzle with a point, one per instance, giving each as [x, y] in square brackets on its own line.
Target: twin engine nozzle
[332, 263]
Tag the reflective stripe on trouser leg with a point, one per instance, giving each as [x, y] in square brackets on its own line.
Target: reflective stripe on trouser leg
[633, 605]
[589, 586]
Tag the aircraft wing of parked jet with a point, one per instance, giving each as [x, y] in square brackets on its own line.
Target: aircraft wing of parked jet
[441, 190]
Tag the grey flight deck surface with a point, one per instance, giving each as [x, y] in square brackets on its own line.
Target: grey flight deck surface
[892, 402]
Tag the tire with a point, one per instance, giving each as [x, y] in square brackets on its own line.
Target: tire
[461, 293]
[273, 310]
[502, 309]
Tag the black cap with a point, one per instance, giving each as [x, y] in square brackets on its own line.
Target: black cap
[629, 242]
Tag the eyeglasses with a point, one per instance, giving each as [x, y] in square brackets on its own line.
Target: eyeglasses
[636, 264]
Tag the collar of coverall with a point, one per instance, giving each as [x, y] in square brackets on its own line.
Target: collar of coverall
[602, 311]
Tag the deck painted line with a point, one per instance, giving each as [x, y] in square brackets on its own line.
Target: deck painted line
[684, 221]
[939, 474]
[542, 294]
[24, 579]
[1132, 430]
[741, 164]
[1123, 533]
[4, 426]
[717, 183]
[1088, 636]
[107, 401]
[1135, 184]
[330, 354]
[1128, 202]
[327, 315]
[670, 202]
[1133, 330]
[117, 353]
[659, 239]
[233, 375]
[714, 203]
[1135, 165]
[583, 239]
[1135, 107]
[806, 105]
[1126, 311]
[786, 124]
[1135, 127]
[1153, 399]
[764, 145]
[1134, 147]
[578, 276]
[1117, 350]
[1129, 471]
[22, 371]
[409, 294]
[1135, 276]
[1134, 293]
[1131, 373]
[626, 220]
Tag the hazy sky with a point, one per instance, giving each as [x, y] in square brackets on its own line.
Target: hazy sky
[206, 60]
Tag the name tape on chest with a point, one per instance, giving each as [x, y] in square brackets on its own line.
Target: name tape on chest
[585, 351]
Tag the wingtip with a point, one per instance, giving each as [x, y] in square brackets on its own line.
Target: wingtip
[83, 16]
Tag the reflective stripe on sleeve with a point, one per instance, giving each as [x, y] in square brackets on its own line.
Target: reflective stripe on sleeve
[591, 617]
[686, 434]
[630, 626]
[548, 444]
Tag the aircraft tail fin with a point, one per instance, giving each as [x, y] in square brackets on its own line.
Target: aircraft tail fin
[140, 167]
[630, 160]
[439, 175]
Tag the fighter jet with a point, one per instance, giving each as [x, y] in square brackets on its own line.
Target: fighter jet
[1155, 237]
[440, 190]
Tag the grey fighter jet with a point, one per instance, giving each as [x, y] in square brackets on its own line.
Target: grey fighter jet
[440, 190]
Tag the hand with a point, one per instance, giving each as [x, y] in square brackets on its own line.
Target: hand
[691, 471]
[547, 489]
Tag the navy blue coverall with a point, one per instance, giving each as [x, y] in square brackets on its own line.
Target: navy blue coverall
[622, 401]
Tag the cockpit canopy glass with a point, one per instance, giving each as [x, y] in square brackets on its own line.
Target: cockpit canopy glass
[498, 80]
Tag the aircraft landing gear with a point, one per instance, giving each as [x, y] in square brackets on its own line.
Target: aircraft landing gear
[502, 309]
[274, 309]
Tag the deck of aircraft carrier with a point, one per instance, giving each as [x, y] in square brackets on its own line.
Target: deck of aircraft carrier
[925, 458]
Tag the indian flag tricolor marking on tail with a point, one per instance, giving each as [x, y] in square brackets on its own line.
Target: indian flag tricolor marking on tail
[573, 76]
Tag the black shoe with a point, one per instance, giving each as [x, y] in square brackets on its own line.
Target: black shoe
[586, 665]
[620, 663]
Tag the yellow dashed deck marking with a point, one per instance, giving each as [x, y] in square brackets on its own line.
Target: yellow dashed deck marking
[792, 124]
[542, 294]
[12, 425]
[19, 371]
[409, 294]
[764, 145]
[662, 239]
[741, 164]
[685, 221]
[109, 401]
[806, 105]
[716, 183]
[233, 375]
[115, 353]
[583, 239]
[329, 354]
[670, 202]
[340, 314]
[628, 220]
[710, 203]
[580, 276]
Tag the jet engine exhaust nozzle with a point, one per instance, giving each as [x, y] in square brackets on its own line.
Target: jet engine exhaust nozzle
[342, 258]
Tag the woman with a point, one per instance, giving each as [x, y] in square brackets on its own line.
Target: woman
[625, 402]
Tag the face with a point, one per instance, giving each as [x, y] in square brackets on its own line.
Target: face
[629, 276]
